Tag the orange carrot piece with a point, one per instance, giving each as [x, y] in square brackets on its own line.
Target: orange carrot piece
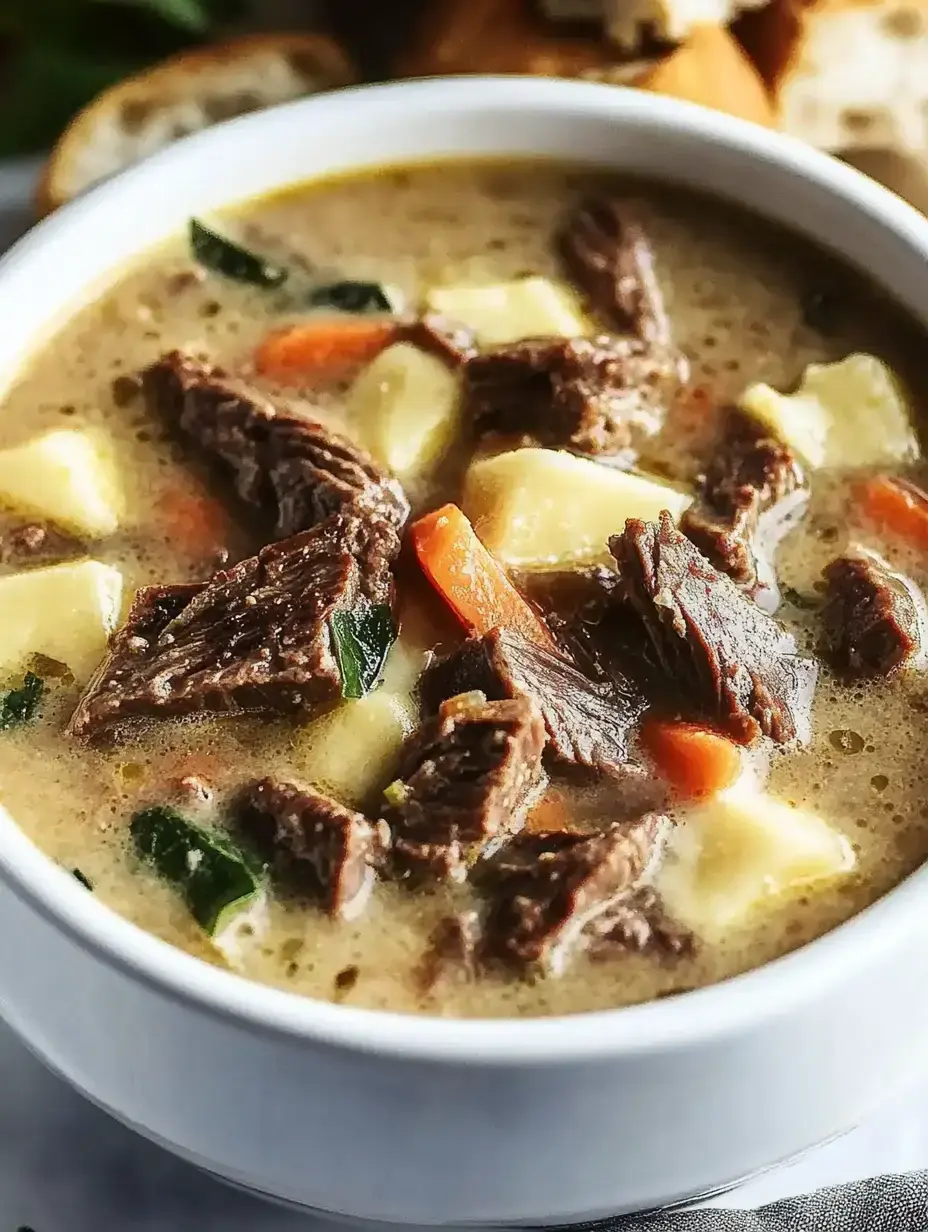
[898, 506]
[471, 582]
[696, 761]
[196, 524]
[322, 349]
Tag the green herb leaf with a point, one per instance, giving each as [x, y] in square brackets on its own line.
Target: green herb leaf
[214, 877]
[357, 297]
[362, 639]
[187, 14]
[82, 878]
[20, 705]
[232, 260]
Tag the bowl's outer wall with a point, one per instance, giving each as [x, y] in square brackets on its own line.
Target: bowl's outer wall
[470, 1133]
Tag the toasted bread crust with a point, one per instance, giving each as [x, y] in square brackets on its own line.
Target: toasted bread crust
[497, 36]
[316, 59]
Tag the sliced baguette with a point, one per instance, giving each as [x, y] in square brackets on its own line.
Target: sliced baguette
[846, 75]
[181, 95]
[499, 36]
[713, 70]
[630, 24]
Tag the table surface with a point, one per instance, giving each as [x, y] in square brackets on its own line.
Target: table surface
[66, 1167]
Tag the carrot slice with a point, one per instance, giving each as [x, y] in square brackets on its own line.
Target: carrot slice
[696, 761]
[196, 524]
[322, 349]
[471, 582]
[898, 506]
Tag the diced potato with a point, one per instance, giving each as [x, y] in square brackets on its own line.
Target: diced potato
[739, 851]
[354, 750]
[67, 477]
[502, 312]
[66, 613]
[405, 407]
[848, 414]
[542, 509]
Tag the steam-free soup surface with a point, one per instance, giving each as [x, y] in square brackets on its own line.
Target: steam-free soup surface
[746, 304]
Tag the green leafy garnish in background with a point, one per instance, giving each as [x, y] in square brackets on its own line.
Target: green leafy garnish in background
[56, 55]
[214, 877]
[225, 257]
[19, 706]
[362, 639]
[356, 297]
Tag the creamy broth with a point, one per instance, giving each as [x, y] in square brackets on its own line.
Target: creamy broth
[735, 291]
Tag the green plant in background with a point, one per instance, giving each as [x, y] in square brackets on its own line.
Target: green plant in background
[55, 55]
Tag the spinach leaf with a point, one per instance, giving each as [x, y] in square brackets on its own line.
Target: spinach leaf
[20, 705]
[214, 877]
[187, 14]
[82, 878]
[362, 639]
[357, 297]
[223, 256]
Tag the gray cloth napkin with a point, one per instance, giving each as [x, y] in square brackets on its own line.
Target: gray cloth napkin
[883, 1204]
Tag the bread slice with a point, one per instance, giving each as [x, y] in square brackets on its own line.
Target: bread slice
[846, 74]
[499, 36]
[181, 95]
[712, 69]
[629, 24]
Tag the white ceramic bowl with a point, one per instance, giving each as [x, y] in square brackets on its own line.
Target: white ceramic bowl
[418, 1120]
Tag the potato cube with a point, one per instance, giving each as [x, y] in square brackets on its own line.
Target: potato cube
[66, 613]
[405, 408]
[503, 312]
[353, 751]
[544, 509]
[741, 850]
[849, 414]
[67, 477]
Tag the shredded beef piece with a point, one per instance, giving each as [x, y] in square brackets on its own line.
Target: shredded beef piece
[750, 473]
[125, 388]
[639, 923]
[588, 722]
[467, 778]
[606, 251]
[593, 395]
[37, 544]
[547, 888]
[870, 624]
[295, 471]
[314, 842]
[253, 638]
[448, 341]
[452, 950]
[725, 659]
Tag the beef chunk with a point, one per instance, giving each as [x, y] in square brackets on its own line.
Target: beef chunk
[587, 722]
[870, 620]
[448, 341]
[34, 543]
[725, 659]
[452, 950]
[467, 778]
[606, 251]
[255, 637]
[315, 843]
[547, 888]
[638, 923]
[749, 474]
[593, 395]
[296, 472]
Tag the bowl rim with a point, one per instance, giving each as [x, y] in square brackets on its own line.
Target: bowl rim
[711, 1013]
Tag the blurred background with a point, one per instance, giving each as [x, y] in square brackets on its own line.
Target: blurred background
[849, 76]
